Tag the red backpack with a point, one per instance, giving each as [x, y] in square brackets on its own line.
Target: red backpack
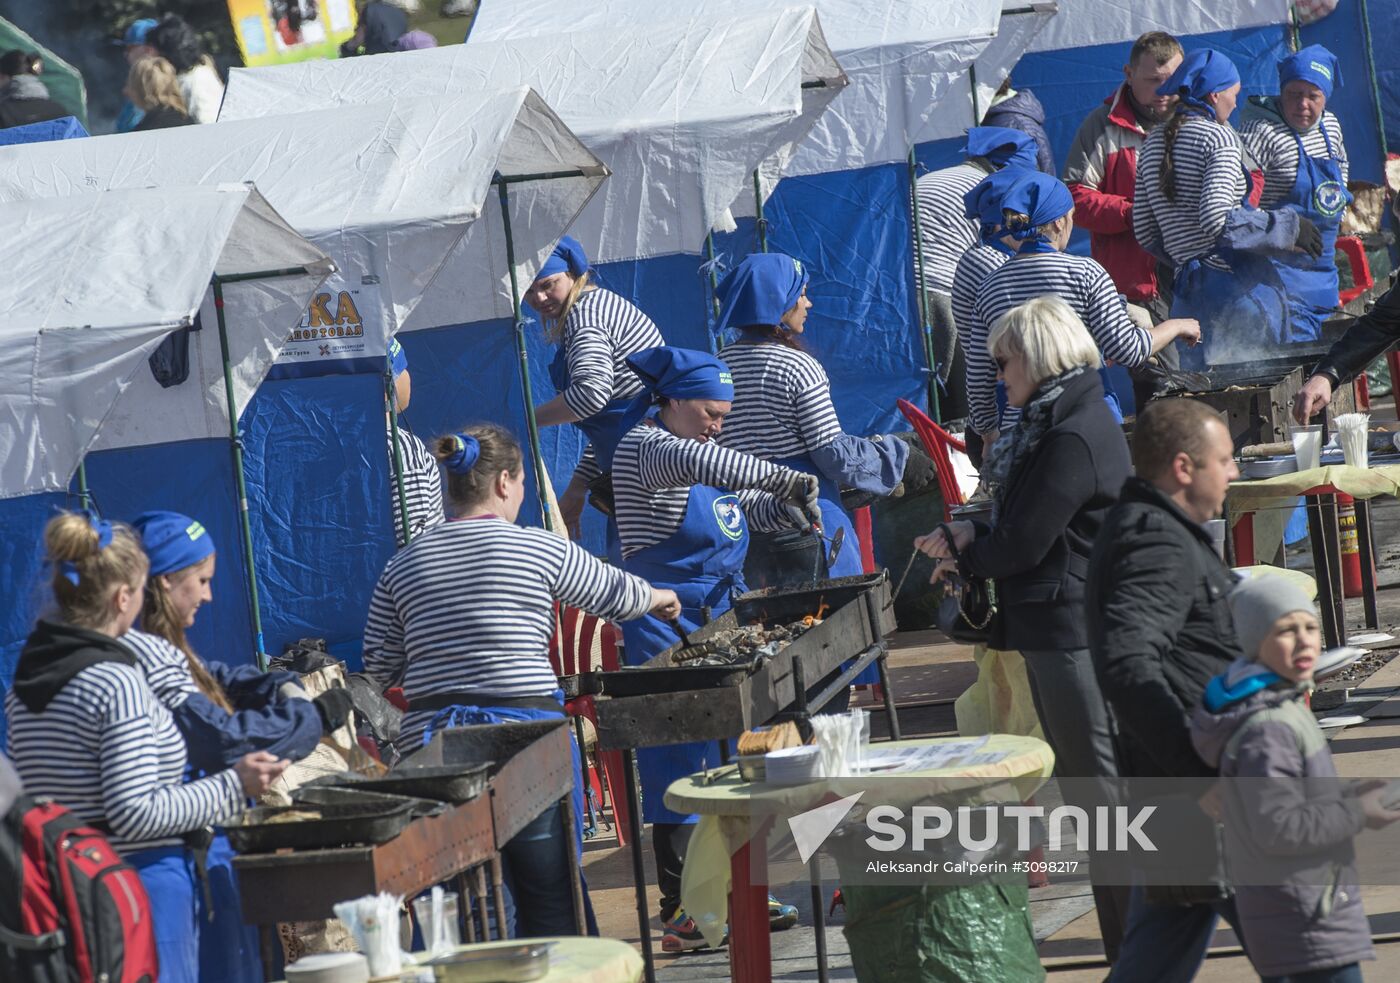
[71, 910]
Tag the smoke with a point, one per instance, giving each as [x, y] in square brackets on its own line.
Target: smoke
[83, 42]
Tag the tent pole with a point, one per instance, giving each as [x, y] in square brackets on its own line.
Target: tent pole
[237, 442]
[714, 290]
[1371, 68]
[926, 326]
[531, 424]
[762, 223]
[972, 84]
[84, 496]
[391, 403]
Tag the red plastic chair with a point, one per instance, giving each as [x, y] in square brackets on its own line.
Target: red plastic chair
[936, 443]
[571, 653]
[1355, 251]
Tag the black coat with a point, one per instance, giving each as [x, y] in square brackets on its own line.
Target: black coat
[1159, 628]
[1373, 334]
[1038, 552]
[163, 117]
[22, 112]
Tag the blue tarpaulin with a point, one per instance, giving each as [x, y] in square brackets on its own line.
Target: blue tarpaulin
[63, 128]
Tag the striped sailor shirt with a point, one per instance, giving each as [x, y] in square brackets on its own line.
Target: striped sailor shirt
[422, 487]
[945, 231]
[973, 268]
[782, 402]
[1274, 146]
[1208, 161]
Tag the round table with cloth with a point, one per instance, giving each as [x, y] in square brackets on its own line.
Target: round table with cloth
[572, 959]
[734, 814]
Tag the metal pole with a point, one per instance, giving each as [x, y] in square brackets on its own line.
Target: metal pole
[84, 497]
[531, 425]
[715, 340]
[762, 223]
[972, 83]
[639, 869]
[391, 400]
[926, 326]
[237, 443]
[1371, 68]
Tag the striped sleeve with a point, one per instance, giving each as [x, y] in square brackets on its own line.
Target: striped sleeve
[782, 402]
[764, 511]
[1210, 183]
[137, 803]
[586, 582]
[591, 369]
[602, 330]
[945, 231]
[1224, 166]
[817, 416]
[677, 463]
[166, 668]
[1118, 338]
[1147, 226]
[422, 487]
[384, 650]
[588, 469]
[981, 372]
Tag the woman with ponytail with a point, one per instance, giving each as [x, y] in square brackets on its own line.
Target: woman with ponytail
[596, 330]
[1194, 210]
[222, 711]
[86, 729]
[462, 618]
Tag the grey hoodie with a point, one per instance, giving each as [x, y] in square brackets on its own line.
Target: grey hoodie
[1289, 821]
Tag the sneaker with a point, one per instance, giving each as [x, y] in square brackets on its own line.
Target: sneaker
[682, 934]
[780, 916]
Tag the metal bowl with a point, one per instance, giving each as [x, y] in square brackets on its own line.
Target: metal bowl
[1270, 467]
[495, 964]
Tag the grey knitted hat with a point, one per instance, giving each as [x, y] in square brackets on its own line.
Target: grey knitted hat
[1257, 602]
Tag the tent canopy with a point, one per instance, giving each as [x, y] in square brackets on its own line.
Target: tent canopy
[902, 58]
[386, 189]
[681, 116]
[102, 280]
[64, 82]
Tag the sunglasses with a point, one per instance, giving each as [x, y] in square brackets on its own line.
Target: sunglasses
[1001, 362]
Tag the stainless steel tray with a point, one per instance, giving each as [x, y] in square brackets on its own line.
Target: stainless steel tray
[497, 964]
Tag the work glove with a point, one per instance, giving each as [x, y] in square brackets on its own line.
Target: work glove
[334, 706]
[802, 502]
[1309, 238]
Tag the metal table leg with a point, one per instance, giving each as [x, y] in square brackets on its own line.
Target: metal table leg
[478, 877]
[1322, 530]
[888, 693]
[468, 904]
[498, 897]
[1365, 546]
[575, 875]
[814, 874]
[592, 828]
[639, 870]
[270, 942]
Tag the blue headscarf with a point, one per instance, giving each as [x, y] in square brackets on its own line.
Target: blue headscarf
[1313, 64]
[463, 458]
[983, 203]
[398, 359]
[1200, 73]
[104, 539]
[760, 290]
[1040, 197]
[568, 257]
[675, 373]
[1001, 145]
[172, 541]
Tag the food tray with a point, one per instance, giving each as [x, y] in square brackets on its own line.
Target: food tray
[1269, 467]
[339, 825]
[313, 794]
[496, 964]
[642, 681]
[442, 783]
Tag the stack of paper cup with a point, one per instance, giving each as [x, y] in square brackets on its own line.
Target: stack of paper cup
[1307, 446]
[1351, 434]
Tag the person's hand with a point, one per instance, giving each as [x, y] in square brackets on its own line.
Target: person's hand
[1140, 316]
[259, 770]
[936, 545]
[1309, 238]
[1211, 803]
[1315, 394]
[1188, 329]
[944, 570]
[334, 706]
[571, 508]
[1376, 812]
[802, 502]
[665, 604]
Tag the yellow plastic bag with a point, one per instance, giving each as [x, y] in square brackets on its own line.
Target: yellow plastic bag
[999, 702]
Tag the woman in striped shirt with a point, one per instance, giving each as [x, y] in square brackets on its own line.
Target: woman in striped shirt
[422, 482]
[1297, 143]
[1191, 209]
[1038, 215]
[86, 729]
[462, 618]
[595, 330]
[684, 507]
[783, 413]
[222, 712]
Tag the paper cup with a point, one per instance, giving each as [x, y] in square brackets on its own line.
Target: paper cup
[1307, 446]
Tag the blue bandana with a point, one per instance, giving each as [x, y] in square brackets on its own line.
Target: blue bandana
[1003, 146]
[983, 203]
[760, 290]
[1040, 197]
[1200, 73]
[1313, 64]
[676, 373]
[463, 458]
[398, 359]
[568, 257]
[172, 541]
[104, 539]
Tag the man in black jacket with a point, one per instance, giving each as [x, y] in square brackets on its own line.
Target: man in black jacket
[1159, 629]
[1366, 340]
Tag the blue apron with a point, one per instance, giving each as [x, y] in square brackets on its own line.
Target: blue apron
[1320, 195]
[702, 561]
[168, 875]
[1243, 310]
[228, 949]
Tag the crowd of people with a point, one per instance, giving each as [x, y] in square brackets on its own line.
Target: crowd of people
[720, 472]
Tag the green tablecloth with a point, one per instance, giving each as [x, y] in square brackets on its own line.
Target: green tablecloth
[1271, 500]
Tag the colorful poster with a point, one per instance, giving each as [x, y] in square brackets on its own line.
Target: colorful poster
[271, 32]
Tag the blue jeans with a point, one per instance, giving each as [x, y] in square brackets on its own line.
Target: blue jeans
[169, 878]
[534, 868]
[1167, 943]
[1338, 974]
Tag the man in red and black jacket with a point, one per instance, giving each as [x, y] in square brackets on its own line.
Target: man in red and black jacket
[1102, 167]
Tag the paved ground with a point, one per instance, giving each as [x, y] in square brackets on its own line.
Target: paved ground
[928, 674]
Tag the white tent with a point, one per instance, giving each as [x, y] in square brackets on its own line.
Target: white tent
[1087, 22]
[386, 190]
[903, 58]
[102, 279]
[681, 113]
